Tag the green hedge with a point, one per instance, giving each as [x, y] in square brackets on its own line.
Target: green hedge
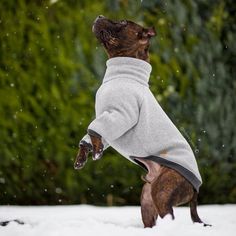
[51, 66]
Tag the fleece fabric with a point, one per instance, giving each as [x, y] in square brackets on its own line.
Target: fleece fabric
[129, 118]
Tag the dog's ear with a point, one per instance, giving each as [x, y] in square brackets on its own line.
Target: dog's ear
[149, 32]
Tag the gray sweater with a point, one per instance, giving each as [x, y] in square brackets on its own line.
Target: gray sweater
[129, 119]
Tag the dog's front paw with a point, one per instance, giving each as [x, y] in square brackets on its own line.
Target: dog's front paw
[97, 147]
[80, 161]
[97, 156]
[82, 155]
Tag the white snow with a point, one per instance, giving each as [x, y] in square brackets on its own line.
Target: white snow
[84, 220]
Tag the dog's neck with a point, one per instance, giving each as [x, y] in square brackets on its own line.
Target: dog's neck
[142, 53]
[128, 68]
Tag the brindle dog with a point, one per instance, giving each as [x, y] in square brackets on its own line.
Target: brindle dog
[164, 187]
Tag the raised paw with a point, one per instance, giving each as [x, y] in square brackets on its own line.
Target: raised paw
[82, 156]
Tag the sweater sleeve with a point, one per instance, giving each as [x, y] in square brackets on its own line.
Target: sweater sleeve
[117, 112]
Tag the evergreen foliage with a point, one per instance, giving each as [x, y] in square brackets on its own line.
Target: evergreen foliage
[50, 67]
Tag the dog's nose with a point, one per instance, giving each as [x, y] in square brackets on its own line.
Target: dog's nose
[99, 17]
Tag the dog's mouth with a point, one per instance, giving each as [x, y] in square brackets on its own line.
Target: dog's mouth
[98, 23]
[105, 35]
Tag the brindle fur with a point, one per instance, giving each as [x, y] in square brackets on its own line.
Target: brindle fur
[164, 187]
[85, 149]
[123, 38]
[97, 147]
[170, 189]
[82, 156]
[148, 208]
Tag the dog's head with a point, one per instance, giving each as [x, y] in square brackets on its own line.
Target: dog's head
[123, 38]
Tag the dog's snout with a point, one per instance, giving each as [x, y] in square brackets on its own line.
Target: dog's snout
[99, 17]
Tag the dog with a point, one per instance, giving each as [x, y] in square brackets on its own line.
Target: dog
[130, 120]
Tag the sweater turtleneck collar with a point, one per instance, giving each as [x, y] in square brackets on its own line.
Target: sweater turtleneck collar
[128, 67]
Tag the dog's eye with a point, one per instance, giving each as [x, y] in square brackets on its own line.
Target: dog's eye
[139, 34]
[123, 22]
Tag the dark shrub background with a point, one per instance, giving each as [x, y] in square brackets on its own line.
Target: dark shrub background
[51, 66]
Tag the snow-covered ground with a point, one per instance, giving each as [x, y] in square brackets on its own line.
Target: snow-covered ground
[83, 220]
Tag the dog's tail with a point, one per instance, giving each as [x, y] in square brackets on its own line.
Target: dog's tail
[193, 210]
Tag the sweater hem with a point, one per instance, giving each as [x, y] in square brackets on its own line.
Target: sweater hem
[93, 133]
[180, 169]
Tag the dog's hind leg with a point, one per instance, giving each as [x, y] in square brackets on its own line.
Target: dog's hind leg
[161, 191]
[148, 209]
[170, 189]
[193, 210]
[163, 204]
